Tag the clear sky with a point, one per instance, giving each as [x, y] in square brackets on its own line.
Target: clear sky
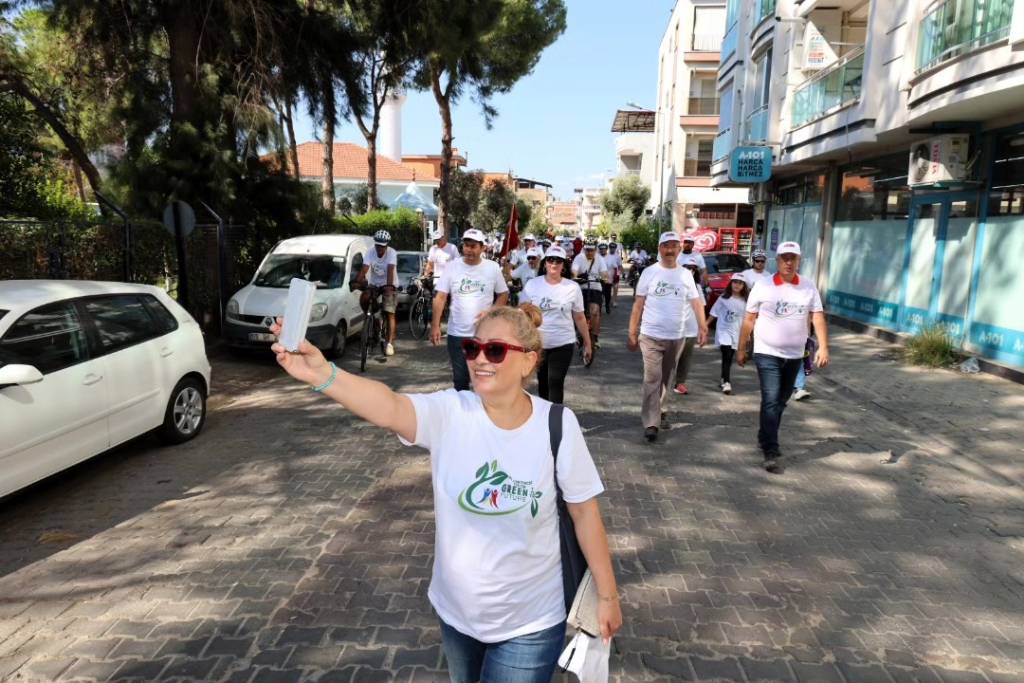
[555, 126]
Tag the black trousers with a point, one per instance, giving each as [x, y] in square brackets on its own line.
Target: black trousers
[727, 355]
[552, 371]
[606, 289]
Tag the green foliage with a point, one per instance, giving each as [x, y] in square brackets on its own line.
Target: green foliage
[644, 232]
[24, 163]
[495, 206]
[464, 196]
[403, 224]
[628, 196]
[932, 347]
[538, 224]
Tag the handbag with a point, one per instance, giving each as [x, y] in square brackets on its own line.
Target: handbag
[579, 589]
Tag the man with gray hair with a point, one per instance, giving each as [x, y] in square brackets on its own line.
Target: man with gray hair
[657, 326]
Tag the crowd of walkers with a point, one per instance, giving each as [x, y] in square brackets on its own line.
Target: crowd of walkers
[503, 460]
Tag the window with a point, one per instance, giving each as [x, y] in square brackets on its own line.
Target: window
[324, 270]
[764, 79]
[121, 320]
[1007, 197]
[708, 28]
[357, 265]
[875, 190]
[50, 338]
[165, 320]
[725, 263]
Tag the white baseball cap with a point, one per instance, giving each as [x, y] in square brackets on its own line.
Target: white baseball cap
[475, 235]
[555, 251]
[529, 236]
[688, 237]
[788, 248]
[436, 234]
[670, 236]
[532, 251]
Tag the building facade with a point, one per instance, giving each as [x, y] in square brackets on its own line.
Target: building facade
[686, 121]
[895, 133]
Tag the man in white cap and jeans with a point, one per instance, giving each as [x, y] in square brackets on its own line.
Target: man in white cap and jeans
[657, 326]
[474, 285]
[778, 313]
[759, 273]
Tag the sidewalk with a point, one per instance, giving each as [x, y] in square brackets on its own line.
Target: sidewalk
[293, 543]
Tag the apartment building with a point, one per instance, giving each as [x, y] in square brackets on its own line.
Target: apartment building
[888, 139]
[589, 210]
[686, 120]
[634, 145]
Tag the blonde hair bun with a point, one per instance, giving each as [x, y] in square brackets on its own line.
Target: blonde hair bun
[533, 313]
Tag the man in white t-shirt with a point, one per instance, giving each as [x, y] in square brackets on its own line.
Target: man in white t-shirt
[759, 273]
[590, 270]
[778, 314]
[379, 270]
[657, 326]
[614, 262]
[690, 256]
[474, 285]
[527, 270]
[441, 253]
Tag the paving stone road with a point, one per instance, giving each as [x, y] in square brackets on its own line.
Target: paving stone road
[292, 543]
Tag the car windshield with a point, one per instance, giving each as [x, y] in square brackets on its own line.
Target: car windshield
[327, 272]
[408, 263]
[2, 314]
[725, 263]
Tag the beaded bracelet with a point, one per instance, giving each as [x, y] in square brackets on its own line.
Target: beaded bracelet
[330, 380]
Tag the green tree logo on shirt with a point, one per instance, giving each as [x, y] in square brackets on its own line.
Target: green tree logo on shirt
[494, 493]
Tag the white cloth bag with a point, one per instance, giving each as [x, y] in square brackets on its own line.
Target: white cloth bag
[586, 657]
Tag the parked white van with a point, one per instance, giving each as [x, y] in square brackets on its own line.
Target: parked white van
[330, 261]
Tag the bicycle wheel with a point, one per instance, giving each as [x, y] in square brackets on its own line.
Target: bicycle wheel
[418, 320]
[365, 340]
[382, 333]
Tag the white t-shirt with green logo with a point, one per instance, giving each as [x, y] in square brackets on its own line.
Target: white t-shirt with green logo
[557, 303]
[668, 293]
[470, 289]
[497, 564]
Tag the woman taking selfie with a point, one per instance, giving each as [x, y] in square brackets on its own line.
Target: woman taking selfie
[497, 578]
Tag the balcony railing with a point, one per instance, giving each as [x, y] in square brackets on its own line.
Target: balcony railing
[697, 168]
[706, 42]
[723, 144]
[832, 87]
[756, 127]
[764, 9]
[955, 27]
[702, 106]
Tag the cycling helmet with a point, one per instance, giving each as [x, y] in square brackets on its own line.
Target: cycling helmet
[382, 237]
[759, 253]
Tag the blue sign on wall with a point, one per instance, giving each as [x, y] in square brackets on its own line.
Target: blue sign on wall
[750, 164]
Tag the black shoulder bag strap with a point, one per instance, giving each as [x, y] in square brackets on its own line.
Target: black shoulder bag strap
[574, 564]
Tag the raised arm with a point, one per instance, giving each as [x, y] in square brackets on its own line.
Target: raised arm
[373, 401]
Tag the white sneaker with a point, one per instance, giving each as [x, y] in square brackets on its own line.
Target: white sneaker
[800, 394]
[726, 388]
[390, 350]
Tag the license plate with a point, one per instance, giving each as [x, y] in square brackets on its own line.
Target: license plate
[261, 337]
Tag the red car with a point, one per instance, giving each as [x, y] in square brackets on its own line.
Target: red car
[721, 266]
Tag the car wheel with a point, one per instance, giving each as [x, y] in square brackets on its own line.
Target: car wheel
[339, 342]
[186, 411]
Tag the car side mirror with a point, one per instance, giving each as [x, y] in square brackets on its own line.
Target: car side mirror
[14, 375]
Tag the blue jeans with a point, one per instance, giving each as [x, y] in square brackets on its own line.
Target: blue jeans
[777, 377]
[527, 659]
[460, 369]
[801, 379]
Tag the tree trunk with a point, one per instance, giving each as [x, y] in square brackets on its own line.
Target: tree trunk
[73, 145]
[293, 148]
[79, 183]
[183, 46]
[371, 172]
[330, 119]
[444, 106]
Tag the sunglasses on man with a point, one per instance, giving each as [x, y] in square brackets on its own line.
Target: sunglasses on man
[494, 351]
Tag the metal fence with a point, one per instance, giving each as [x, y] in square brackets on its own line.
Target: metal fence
[218, 261]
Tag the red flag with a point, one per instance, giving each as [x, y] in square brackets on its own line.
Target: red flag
[512, 234]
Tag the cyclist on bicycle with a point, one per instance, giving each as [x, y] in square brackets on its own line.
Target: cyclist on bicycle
[637, 262]
[381, 263]
[591, 271]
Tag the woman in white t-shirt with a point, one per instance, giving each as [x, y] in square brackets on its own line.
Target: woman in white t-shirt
[560, 300]
[497, 578]
[728, 310]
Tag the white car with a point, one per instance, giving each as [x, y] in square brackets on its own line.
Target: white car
[85, 366]
[331, 261]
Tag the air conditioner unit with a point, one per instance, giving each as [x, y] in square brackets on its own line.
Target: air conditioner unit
[941, 159]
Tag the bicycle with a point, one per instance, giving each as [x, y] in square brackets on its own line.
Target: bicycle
[421, 309]
[373, 327]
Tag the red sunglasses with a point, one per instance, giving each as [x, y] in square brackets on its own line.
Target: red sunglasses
[494, 351]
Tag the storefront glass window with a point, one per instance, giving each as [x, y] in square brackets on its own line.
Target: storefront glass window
[875, 190]
[1007, 196]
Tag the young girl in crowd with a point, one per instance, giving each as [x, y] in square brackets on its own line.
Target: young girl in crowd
[690, 333]
[728, 310]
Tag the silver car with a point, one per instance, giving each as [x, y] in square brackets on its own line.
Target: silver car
[410, 265]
